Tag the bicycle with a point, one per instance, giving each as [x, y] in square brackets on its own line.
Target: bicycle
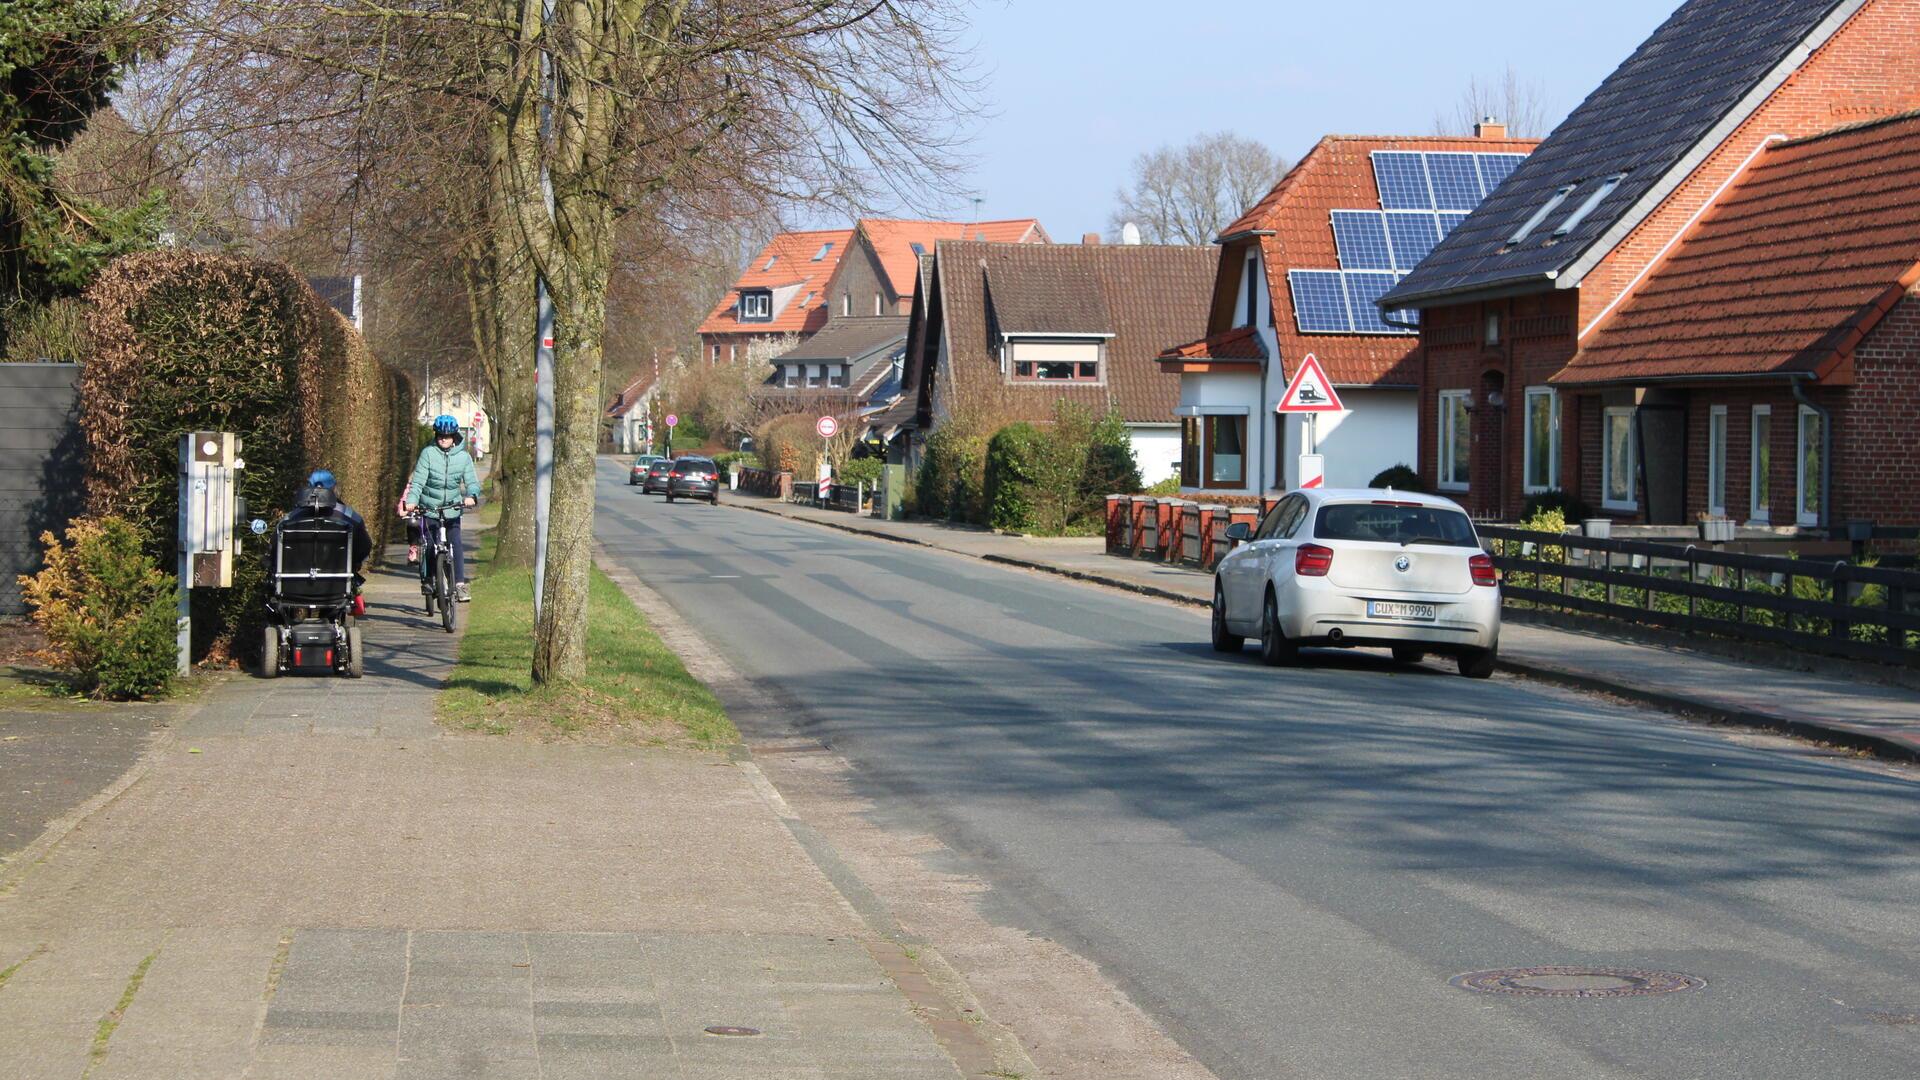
[436, 566]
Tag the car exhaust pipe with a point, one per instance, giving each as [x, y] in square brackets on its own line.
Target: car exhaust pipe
[1334, 635]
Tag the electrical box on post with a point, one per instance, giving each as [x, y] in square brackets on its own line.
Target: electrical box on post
[209, 507]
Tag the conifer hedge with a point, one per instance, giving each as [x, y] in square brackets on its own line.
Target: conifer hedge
[188, 341]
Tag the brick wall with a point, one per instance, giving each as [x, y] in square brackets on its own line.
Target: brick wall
[1870, 68]
[1877, 424]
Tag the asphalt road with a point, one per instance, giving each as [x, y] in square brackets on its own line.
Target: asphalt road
[1285, 868]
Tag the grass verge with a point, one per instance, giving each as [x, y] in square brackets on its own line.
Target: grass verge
[636, 691]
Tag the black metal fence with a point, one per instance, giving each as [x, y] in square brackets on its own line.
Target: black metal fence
[1836, 608]
[849, 497]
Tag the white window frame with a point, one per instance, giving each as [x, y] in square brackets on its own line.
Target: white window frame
[878, 304]
[1717, 461]
[791, 377]
[1802, 513]
[1450, 478]
[1757, 481]
[1606, 460]
[1553, 440]
[846, 303]
[716, 353]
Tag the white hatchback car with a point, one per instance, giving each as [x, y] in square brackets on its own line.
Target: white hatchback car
[1381, 568]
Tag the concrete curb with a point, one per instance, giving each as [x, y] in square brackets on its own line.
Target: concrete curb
[1804, 727]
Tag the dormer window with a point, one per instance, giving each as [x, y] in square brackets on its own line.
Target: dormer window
[1559, 196]
[1054, 360]
[756, 306]
[1587, 207]
[822, 253]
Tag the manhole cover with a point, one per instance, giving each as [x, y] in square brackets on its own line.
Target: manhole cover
[724, 1029]
[1576, 982]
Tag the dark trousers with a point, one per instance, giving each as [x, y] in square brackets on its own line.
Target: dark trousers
[453, 541]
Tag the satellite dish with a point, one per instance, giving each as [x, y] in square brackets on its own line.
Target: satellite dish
[1130, 233]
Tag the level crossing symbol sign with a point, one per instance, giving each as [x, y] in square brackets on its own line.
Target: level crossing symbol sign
[1310, 391]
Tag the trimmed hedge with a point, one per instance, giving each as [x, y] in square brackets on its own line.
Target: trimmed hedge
[185, 341]
[1010, 456]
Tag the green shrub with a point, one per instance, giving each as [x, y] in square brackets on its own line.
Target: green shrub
[1011, 454]
[1570, 507]
[1110, 467]
[107, 611]
[1399, 478]
[860, 471]
[952, 480]
[789, 444]
[726, 460]
[1169, 486]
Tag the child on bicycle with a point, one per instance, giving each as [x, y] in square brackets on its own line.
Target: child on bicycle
[444, 483]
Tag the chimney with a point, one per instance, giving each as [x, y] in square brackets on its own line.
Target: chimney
[1090, 239]
[1489, 128]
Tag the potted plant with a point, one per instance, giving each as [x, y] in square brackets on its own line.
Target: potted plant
[1716, 530]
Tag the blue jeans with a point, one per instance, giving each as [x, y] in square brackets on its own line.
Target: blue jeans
[452, 526]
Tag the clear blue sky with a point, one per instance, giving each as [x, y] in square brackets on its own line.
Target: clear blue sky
[1079, 87]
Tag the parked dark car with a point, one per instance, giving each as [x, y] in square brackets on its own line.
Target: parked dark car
[694, 478]
[640, 466]
[656, 479]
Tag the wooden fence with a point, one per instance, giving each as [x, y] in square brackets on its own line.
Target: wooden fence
[1836, 608]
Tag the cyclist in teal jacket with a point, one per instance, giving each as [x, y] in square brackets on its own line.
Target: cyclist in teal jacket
[445, 482]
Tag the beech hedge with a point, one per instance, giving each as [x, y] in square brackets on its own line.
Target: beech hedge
[187, 341]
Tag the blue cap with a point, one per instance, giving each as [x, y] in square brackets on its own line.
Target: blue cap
[321, 478]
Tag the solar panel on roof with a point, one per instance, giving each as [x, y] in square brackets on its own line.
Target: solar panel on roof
[1362, 291]
[1456, 181]
[1360, 236]
[1402, 179]
[1319, 302]
[1495, 168]
[1413, 235]
[1450, 222]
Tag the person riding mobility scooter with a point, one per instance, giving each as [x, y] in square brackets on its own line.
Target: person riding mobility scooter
[313, 585]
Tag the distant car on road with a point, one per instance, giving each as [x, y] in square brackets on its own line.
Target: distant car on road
[1365, 567]
[694, 478]
[655, 482]
[639, 472]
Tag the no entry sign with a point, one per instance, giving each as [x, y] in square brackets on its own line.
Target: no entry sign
[827, 427]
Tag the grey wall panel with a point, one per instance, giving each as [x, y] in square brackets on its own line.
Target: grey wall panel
[42, 464]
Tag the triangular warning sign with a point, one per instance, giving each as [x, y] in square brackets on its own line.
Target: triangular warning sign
[1310, 391]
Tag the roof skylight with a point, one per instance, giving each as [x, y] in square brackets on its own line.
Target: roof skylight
[822, 253]
[1540, 215]
[771, 259]
[1574, 219]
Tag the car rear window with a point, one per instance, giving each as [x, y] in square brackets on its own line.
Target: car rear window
[689, 465]
[1394, 523]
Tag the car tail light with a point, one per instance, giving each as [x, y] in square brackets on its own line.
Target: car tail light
[1483, 571]
[1312, 560]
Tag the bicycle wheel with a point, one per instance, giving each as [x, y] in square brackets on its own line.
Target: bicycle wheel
[443, 588]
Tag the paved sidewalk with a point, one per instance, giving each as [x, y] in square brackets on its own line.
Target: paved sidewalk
[1830, 707]
[312, 881]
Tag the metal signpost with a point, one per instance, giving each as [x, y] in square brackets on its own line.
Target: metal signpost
[1311, 392]
[673, 421]
[828, 427]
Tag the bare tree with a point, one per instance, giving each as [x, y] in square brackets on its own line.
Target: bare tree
[1186, 194]
[1519, 103]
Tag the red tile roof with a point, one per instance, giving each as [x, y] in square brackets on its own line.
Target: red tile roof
[1151, 294]
[793, 264]
[1785, 274]
[623, 401]
[1337, 174]
[893, 241]
[1238, 345]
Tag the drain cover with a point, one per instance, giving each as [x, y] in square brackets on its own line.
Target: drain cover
[723, 1029]
[1576, 982]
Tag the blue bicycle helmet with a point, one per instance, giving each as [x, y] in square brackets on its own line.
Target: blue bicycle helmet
[445, 424]
[321, 478]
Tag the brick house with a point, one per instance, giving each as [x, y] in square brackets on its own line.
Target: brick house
[1596, 328]
[1006, 330]
[1298, 274]
[800, 280]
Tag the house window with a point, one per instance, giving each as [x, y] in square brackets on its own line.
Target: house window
[1760, 469]
[1226, 451]
[822, 253]
[771, 259]
[733, 353]
[1717, 461]
[1456, 434]
[1056, 371]
[456, 401]
[1543, 440]
[814, 377]
[716, 354]
[1253, 292]
[1807, 468]
[792, 376]
[837, 377]
[1617, 488]
[1493, 328]
[756, 306]
[846, 303]
[878, 304]
[1190, 452]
